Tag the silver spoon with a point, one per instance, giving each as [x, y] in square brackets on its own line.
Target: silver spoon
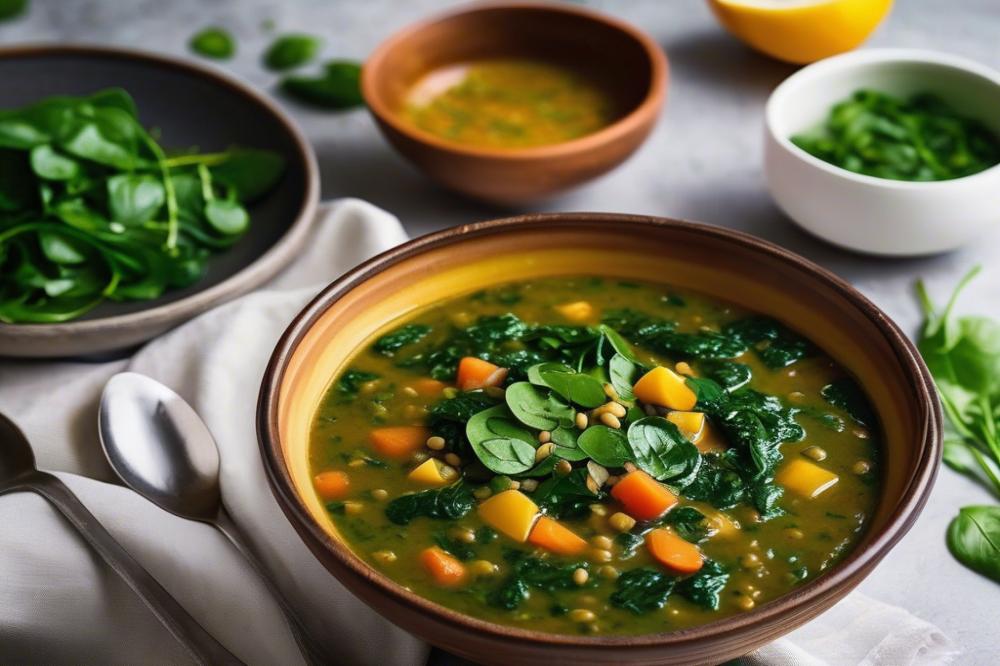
[160, 448]
[18, 473]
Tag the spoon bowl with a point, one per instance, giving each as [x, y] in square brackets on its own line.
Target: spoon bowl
[160, 447]
[16, 457]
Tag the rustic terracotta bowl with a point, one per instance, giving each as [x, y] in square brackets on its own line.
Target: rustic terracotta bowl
[627, 63]
[721, 263]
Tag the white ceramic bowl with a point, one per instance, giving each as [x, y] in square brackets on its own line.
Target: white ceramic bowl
[876, 215]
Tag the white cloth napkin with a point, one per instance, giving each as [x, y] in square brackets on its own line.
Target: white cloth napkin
[59, 604]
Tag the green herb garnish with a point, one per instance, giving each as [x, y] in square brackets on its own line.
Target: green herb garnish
[921, 138]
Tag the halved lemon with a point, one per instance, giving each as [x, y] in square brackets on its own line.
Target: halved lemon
[801, 31]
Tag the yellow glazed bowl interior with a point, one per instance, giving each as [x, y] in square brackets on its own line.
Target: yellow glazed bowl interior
[719, 263]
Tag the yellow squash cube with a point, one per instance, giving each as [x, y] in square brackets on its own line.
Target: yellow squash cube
[664, 387]
[691, 424]
[432, 472]
[805, 478]
[576, 311]
[510, 512]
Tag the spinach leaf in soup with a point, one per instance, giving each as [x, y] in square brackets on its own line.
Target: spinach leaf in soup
[537, 408]
[847, 395]
[403, 336]
[572, 386]
[531, 572]
[352, 379]
[730, 375]
[660, 449]
[774, 343]
[606, 446]
[705, 587]
[688, 522]
[500, 443]
[642, 590]
[449, 503]
[447, 418]
[566, 496]
[623, 374]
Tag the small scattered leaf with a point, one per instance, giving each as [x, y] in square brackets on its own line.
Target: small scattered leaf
[213, 42]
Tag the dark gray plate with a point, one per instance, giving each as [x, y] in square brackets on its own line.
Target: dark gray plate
[191, 106]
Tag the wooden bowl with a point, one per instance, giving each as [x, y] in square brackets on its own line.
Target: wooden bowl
[721, 263]
[191, 105]
[628, 63]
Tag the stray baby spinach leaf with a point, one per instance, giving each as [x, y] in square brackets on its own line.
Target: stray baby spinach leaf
[292, 50]
[336, 88]
[213, 42]
[974, 539]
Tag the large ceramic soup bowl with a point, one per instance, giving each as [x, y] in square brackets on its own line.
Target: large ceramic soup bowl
[620, 252]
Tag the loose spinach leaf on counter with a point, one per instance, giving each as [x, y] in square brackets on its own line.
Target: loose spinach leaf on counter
[213, 42]
[963, 354]
[292, 50]
[337, 87]
[642, 590]
[974, 539]
[450, 503]
[409, 334]
[12, 8]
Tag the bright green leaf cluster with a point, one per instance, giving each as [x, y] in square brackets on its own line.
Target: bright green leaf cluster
[963, 354]
[921, 138]
[92, 208]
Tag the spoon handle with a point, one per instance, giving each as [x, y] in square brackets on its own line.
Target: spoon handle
[199, 643]
[312, 652]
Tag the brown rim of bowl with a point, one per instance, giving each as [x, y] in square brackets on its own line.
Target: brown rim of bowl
[847, 573]
[263, 267]
[650, 103]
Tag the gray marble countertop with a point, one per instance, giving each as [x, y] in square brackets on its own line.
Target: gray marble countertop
[703, 162]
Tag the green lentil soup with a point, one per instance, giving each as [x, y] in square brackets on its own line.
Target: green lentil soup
[596, 456]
